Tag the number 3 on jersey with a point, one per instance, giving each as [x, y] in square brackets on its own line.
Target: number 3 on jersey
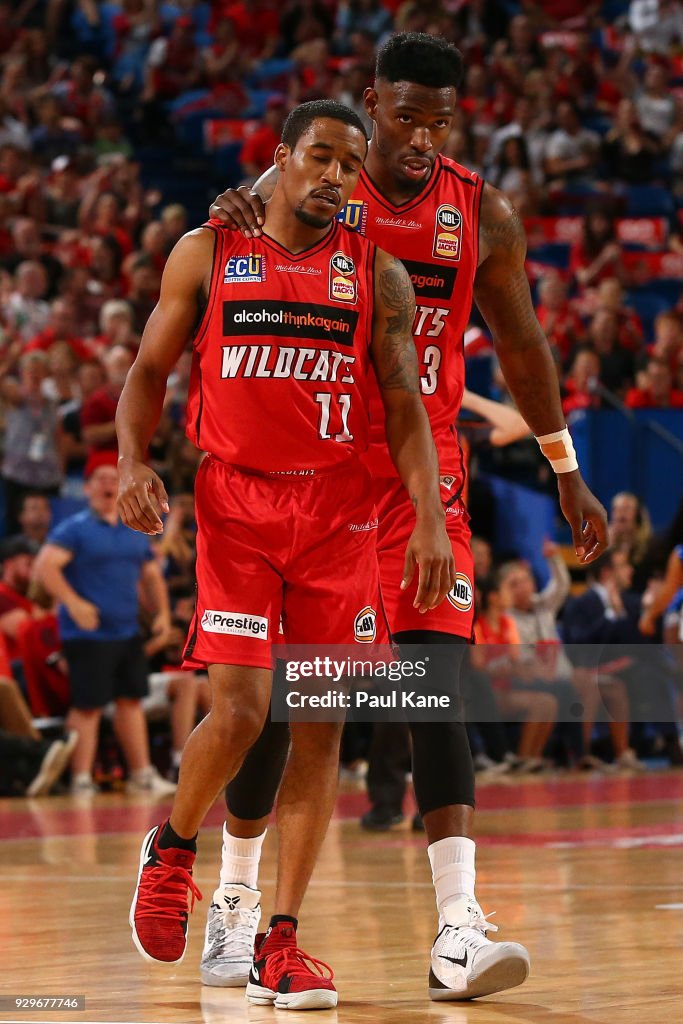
[324, 400]
[429, 323]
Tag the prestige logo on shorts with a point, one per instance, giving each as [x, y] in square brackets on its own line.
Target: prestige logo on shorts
[448, 233]
[462, 593]
[365, 626]
[249, 269]
[342, 278]
[235, 624]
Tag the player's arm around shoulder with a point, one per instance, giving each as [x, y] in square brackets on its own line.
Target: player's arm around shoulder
[408, 432]
[184, 286]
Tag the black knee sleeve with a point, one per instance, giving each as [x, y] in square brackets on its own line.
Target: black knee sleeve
[252, 792]
[443, 773]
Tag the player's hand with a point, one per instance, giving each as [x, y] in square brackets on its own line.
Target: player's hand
[647, 624]
[585, 515]
[142, 497]
[240, 209]
[85, 614]
[430, 549]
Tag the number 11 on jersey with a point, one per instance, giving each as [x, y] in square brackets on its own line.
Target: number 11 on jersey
[324, 400]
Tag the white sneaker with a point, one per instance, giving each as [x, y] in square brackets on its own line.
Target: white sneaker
[148, 780]
[465, 964]
[628, 762]
[82, 785]
[231, 928]
[54, 763]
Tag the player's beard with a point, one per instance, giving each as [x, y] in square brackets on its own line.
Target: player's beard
[310, 219]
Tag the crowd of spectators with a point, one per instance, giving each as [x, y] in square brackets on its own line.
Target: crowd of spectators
[574, 109]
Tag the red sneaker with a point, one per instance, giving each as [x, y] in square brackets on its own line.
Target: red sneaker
[158, 913]
[282, 975]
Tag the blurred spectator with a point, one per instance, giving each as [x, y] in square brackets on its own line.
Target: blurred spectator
[62, 193]
[259, 148]
[571, 152]
[616, 363]
[143, 288]
[91, 377]
[350, 89]
[629, 526]
[656, 24]
[604, 614]
[511, 173]
[27, 312]
[174, 63]
[116, 327]
[610, 296]
[29, 765]
[598, 255]
[656, 390]
[51, 138]
[35, 516]
[257, 26]
[560, 322]
[303, 21]
[655, 105]
[353, 16]
[482, 556]
[582, 386]
[667, 343]
[178, 545]
[629, 151]
[98, 411]
[497, 651]
[174, 222]
[60, 332]
[17, 555]
[672, 583]
[32, 459]
[94, 567]
[26, 245]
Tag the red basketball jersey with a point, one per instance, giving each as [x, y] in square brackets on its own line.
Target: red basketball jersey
[280, 372]
[436, 236]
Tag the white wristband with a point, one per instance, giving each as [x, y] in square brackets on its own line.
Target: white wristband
[558, 449]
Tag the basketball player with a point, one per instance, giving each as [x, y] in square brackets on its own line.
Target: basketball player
[458, 237]
[285, 330]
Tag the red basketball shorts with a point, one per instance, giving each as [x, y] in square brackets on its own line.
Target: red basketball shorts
[301, 549]
[396, 517]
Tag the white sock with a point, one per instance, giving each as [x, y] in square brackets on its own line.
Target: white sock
[453, 871]
[240, 859]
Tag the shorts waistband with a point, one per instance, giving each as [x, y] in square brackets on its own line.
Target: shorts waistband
[352, 465]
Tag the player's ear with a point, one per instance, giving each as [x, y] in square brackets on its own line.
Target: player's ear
[281, 155]
[370, 101]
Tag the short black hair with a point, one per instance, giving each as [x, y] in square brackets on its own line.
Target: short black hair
[300, 119]
[422, 59]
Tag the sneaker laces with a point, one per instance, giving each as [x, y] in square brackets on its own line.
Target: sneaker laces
[294, 962]
[234, 939]
[481, 923]
[154, 901]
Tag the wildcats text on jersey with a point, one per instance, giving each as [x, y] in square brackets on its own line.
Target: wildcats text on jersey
[282, 361]
[290, 320]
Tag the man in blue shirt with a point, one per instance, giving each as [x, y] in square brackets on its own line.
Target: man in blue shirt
[94, 566]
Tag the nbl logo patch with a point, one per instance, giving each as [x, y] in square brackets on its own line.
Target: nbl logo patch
[365, 626]
[249, 269]
[448, 233]
[343, 287]
[354, 215]
[462, 593]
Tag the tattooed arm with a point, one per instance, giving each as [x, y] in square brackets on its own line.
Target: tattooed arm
[501, 291]
[409, 436]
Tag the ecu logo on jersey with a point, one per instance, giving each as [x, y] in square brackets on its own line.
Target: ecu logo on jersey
[343, 285]
[365, 626]
[354, 215]
[448, 233]
[462, 593]
[249, 269]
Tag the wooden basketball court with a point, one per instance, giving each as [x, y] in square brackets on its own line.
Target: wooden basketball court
[586, 872]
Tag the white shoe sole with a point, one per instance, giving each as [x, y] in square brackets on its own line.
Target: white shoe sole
[53, 765]
[146, 843]
[259, 996]
[314, 999]
[506, 973]
[223, 981]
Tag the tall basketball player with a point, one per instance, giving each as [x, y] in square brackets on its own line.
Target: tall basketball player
[459, 238]
[285, 331]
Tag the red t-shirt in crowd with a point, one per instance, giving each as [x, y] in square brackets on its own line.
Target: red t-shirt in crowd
[47, 338]
[641, 398]
[259, 148]
[10, 600]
